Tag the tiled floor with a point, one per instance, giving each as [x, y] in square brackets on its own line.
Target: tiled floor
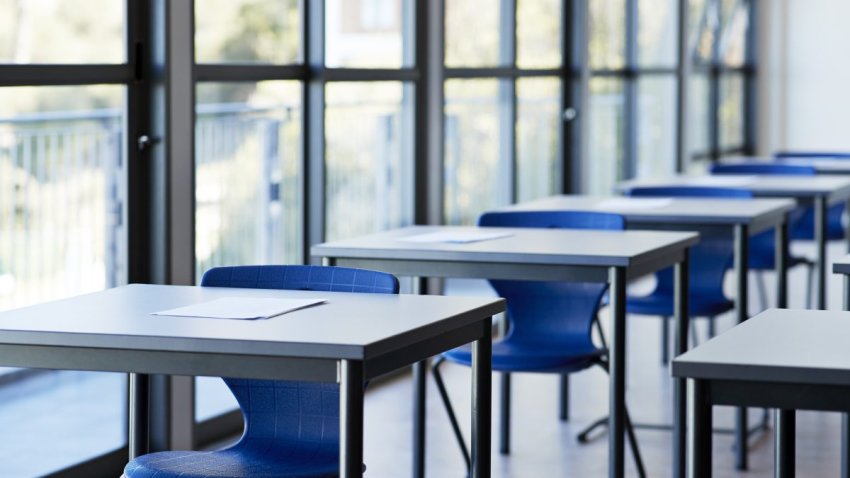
[53, 419]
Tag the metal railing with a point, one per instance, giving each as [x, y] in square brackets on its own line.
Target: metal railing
[61, 200]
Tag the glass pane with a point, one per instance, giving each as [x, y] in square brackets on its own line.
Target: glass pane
[604, 165]
[539, 33]
[476, 158]
[369, 157]
[538, 138]
[734, 41]
[247, 174]
[731, 111]
[247, 31]
[247, 187]
[367, 33]
[607, 34]
[705, 16]
[473, 33]
[62, 233]
[66, 31]
[657, 32]
[656, 127]
[700, 114]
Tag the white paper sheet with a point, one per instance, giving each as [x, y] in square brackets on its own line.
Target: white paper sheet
[455, 237]
[721, 181]
[241, 308]
[633, 204]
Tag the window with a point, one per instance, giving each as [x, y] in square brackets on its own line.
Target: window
[632, 56]
[63, 214]
[723, 73]
[503, 90]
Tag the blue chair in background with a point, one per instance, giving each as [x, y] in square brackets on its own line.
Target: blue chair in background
[804, 227]
[710, 259]
[549, 323]
[811, 155]
[291, 427]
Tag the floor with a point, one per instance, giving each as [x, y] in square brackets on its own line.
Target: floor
[64, 404]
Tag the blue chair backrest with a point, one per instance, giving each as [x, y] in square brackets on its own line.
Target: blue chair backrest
[690, 191]
[811, 155]
[711, 256]
[765, 168]
[292, 411]
[551, 312]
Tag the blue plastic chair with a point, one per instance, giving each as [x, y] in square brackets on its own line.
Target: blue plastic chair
[811, 155]
[291, 427]
[710, 259]
[550, 323]
[804, 227]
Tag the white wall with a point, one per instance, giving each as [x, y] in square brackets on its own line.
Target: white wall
[804, 66]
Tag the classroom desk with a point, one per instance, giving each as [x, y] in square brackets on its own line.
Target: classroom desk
[818, 191]
[782, 359]
[736, 218]
[350, 339]
[536, 254]
[842, 266]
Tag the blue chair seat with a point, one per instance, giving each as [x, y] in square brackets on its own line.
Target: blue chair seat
[301, 463]
[509, 356]
[662, 305]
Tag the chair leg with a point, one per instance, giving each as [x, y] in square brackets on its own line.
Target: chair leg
[441, 387]
[505, 422]
[665, 340]
[633, 444]
[762, 289]
[630, 432]
[712, 326]
[564, 408]
[598, 324]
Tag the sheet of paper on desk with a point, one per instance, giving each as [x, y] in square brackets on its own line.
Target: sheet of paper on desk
[732, 180]
[633, 204]
[455, 237]
[241, 308]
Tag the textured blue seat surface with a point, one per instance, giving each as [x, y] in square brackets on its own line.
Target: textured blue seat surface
[549, 322]
[291, 428]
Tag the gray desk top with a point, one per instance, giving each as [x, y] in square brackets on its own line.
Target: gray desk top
[352, 326]
[677, 210]
[834, 188]
[523, 246]
[778, 345]
[842, 266]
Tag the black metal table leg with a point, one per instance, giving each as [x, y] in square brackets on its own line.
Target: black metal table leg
[741, 309]
[482, 379]
[700, 431]
[820, 259]
[351, 419]
[139, 415]
[784, 446]
[617, 374]
[679, 384]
